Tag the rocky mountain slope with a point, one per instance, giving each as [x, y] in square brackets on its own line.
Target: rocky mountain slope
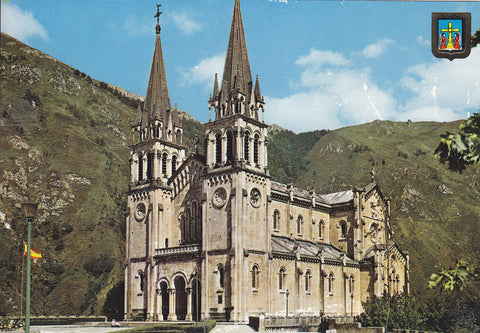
[435, 212]
[64, 141]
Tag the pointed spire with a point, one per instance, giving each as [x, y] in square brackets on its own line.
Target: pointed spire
[258, 95]
[157, 100]
[215, 87]
[236, 73]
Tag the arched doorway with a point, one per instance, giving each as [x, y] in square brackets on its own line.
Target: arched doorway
[196, 303]
[181, 298]
[165, 299]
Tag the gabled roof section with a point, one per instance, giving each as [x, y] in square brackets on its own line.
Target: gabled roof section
[236, 73]
[288, 246]
[330, 199]
[157, 100]
[337, 197]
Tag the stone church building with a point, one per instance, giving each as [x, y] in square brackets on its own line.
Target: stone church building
[212, 235]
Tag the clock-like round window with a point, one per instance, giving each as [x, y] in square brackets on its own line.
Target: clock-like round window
[255, 197]
[140, 211]
[219, 197]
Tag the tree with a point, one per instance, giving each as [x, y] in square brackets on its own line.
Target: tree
[463, 148]
[402, 311]
[455, 279]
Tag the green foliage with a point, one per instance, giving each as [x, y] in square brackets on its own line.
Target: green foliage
[113, 307]
[401, 311]
[102, 264]
[457, 278]
[476, 38]
[287, 153]
[441, 313]
[463, 148]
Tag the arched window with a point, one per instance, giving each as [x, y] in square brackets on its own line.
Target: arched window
[343, 227]
[194, 221]
[218, 149]
[281, 278]
[221, 276]
[276, 220]
[179, 136]
[182, 227]
[150, 166]
[255, 149]
[199, 223]
[141, 277]
[164, 163]
[308, 276]
[246, 143]
[174, 163]
[255, 276]
[229, 146]
[140, 167]
[351, 281]
[320, 229]
[330, 283]
[188, 224]
[299, 224]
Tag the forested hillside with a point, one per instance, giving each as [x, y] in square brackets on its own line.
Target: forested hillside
[64, 142]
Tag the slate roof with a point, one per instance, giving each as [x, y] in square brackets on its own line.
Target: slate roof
[329, 198]
[286, 245]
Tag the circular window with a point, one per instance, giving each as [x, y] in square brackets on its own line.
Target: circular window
[219, 197]
[140, 211]
[255, 197]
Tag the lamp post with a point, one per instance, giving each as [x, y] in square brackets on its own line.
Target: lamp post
[29, 210]
[286, 304]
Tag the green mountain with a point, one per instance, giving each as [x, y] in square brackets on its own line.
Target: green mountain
[435, 212]
[64, 142]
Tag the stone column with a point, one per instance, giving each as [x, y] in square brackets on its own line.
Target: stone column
[224, 148]
[145, 163]
[172, 316]
[189, 304]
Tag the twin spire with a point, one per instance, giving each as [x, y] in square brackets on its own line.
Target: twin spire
[237, 93]
[158, 119]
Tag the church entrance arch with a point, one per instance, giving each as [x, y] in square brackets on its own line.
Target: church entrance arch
[196, 303]
[181, 298]
[165, 299]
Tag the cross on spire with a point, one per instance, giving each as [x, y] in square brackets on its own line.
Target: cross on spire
[157, 15]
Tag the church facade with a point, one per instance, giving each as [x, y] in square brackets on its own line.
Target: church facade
[211, 235]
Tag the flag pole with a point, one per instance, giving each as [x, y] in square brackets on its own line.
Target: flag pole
[21, 288]
[29, 210]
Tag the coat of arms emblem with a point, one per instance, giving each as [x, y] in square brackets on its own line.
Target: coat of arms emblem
[451, 35]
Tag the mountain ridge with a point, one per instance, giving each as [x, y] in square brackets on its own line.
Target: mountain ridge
[64, 142]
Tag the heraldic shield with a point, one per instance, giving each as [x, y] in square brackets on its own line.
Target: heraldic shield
[451, 35]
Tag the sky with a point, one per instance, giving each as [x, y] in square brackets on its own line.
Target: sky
[321, 64]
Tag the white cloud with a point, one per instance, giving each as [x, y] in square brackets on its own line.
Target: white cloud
[331, 98]
[186, 24]
[331, 94]
[318, 58]
[136, 27]
[204, 71]
[445, 90]
[422, 41]
[377, 49]
[21, 24]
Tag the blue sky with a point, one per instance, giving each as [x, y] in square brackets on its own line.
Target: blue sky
[321, 64]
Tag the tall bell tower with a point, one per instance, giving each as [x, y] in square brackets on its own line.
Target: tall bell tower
[236, 181]
[155, 155]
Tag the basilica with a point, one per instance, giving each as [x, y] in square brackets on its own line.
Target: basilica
[212, 235]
